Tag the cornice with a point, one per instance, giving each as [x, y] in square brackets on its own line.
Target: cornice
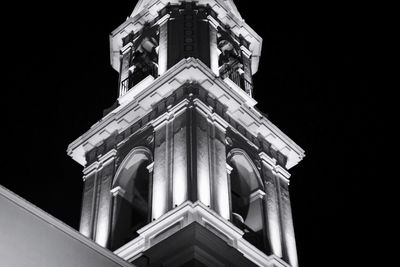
[273, 166]
[186, 214]
[238, 104]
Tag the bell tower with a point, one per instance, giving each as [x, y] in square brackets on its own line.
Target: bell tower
[184, 170]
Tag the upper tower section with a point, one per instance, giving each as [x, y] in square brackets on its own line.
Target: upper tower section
[228, 4]
[160, 33]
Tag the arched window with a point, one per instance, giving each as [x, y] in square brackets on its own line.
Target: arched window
[144, 58]
[246, 198]
[230, 61]
[131, 202]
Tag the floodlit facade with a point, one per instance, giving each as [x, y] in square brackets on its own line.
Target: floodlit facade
[184, 170]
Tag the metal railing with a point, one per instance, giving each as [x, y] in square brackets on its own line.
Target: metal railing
[233, 73]
[136, 77]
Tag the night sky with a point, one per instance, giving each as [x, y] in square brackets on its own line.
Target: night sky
[313, 82]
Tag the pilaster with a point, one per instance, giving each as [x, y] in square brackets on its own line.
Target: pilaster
[103, 219]
[288, 235]
[170, 174]
[212, 180]
[88, 200]
[272, 208]
[163, 45]
[214, 51]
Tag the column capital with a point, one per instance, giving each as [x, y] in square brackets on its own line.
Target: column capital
[281, 172]
[164, 19]
[276, 169]
[213, 21]
[259, 194]
[126, 48]
[209, 113]
[118, 191]
[171, 113]
[90, 169]
[270, 162]
[246, 51]
[229, 169]
[150, 168]
[108, 157]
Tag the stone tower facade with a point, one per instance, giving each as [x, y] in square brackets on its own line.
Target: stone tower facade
[184, 170]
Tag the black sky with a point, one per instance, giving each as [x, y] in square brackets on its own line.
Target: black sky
[313, 82]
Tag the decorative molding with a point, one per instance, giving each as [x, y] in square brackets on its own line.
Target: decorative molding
[213, 21]
[229, 169]
[131, 94]
[269, 162]
[282, 172]
[188, 69]
[150, 168]
[246, 51]
[170, 114]
[228, 141]
[90, 169]
[184, 215]
[136, 150]
[259, 194]
[105, 159]
[118, 191]
[163, 19]
[126, 48]
[273, 166]
[210, 115]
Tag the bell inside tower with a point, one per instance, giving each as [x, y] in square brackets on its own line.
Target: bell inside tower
[142, 58]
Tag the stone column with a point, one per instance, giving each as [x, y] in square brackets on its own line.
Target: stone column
[117, 196]
[163, 45]
[214, 51]
[212, 179]
[289, 241]
[201, 158]
[150, 168]
[161, 176]
[88, 200]
[220, 186]
[247, 75]
[256, 207]
[103, 219]
[170, 176]
[179, 157]
[272, 209]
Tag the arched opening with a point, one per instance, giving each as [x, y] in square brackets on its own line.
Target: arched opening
[230, 60]
[246, 198]
[143, 59]
[131, 207]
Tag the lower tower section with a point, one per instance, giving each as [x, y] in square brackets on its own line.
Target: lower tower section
[188, 158]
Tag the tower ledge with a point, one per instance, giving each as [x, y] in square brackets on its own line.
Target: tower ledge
[240, 107]
[184, 217]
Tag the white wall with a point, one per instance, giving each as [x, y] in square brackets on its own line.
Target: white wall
[31, 237]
